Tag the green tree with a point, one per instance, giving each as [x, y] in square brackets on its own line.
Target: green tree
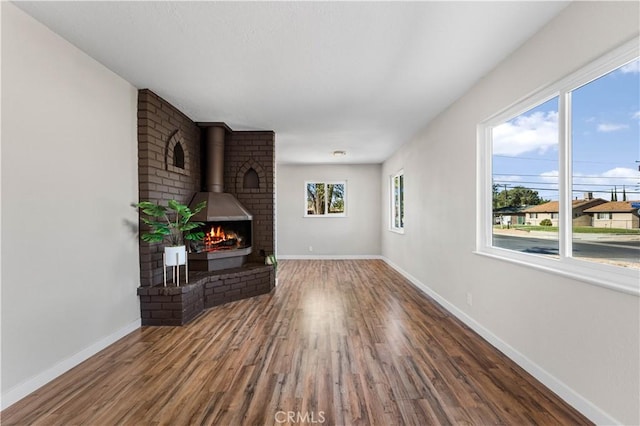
[516, 197]
[495, 190]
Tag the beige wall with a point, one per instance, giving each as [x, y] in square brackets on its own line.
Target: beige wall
[582, 220]
[542, 216]
[582, 339]
[357, 234]
[69, 174]
[618, 220]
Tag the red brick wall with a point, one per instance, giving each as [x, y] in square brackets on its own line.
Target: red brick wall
[158, 122]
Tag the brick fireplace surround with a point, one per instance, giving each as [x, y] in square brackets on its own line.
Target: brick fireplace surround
[166, 173]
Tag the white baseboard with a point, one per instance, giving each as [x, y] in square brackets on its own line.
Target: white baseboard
[328, 256]
[584, 406]
[25, 388]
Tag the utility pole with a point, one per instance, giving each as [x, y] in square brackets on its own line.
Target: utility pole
[506, 196]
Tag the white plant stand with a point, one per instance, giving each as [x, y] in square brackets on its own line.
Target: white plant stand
[174, 257]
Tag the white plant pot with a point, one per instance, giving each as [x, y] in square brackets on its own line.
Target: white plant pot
[170, 255]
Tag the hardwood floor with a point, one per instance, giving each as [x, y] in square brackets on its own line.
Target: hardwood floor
[337, 342]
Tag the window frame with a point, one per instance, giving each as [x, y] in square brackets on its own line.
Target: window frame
[326, 201]
[392, 202]
[612, 277]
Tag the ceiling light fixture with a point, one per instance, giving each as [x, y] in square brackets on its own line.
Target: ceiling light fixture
[339, 153]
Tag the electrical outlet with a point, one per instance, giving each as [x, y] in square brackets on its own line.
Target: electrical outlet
[310, 248]
[469, 299]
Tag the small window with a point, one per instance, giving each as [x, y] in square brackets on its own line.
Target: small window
[325, 199]
[397, 202]
[606, 215]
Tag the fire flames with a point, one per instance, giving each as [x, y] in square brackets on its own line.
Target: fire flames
[219, 239]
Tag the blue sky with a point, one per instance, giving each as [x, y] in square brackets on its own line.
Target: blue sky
[606, 140]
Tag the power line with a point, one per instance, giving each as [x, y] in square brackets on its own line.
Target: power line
[575, 177]
[517, 183]
[576, 190]
[555, 160]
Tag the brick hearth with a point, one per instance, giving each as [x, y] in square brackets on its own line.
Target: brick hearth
[173, 305]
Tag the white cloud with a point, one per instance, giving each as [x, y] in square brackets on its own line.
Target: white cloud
[636, 115]
[511, 178]
[537, 132]
[601, 184]
[611, 127]
[631, 67]
[621, 172]
[617, 176]
[551, 176]
[549, 181]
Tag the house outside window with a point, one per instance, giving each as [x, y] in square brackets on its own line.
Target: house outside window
[552, 155]
[397, 202]
[325, 199]
[620, 215]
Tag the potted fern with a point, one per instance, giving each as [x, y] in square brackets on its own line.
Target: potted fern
[173, 225]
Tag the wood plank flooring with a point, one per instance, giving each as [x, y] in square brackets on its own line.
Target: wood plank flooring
[337, 342]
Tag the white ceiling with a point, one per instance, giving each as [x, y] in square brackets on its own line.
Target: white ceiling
[360, 76]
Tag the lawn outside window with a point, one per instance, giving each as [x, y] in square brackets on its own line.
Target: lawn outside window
[553, 166]
[325, 198]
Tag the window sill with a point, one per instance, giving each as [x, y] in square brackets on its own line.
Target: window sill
[397, 231]
[325, 216]
[613, 278]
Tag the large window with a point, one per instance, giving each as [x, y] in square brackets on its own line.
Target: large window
[524, 156]
[559, 176]
[397, 202]
[325, 199]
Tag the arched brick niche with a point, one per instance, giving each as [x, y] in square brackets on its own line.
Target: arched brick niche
[251, 178]
[177, 155]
